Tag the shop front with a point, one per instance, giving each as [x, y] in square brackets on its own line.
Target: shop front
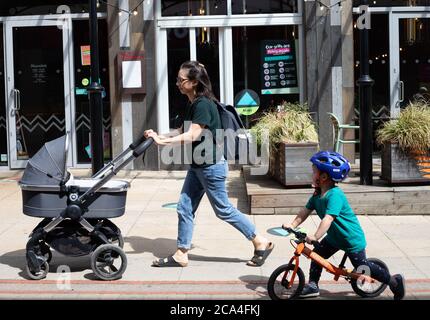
[44, 69]
[399, 56]
[231, 38]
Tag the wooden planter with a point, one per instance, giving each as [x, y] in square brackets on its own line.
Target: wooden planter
[398, 167]
[290, 163]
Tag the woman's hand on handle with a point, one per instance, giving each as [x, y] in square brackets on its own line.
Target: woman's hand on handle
[147, 133]
[156, 137]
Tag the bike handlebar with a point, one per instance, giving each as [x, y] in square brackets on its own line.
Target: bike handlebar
[301, 236]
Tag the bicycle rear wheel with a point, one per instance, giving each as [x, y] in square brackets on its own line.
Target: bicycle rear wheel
[370, 290]
[280, 287]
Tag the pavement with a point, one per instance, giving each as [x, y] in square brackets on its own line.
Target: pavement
[217, 268]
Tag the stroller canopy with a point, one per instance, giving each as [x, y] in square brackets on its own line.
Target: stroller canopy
[48, 165]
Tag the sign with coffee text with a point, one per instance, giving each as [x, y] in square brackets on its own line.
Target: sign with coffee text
[278, 67]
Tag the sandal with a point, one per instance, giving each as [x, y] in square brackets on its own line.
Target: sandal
[260, 256]
[168, 262]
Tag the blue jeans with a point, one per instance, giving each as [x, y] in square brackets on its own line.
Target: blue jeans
[326, 250]
[209, 180]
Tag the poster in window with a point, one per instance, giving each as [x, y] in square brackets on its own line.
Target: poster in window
[278, 67]
[85, 55]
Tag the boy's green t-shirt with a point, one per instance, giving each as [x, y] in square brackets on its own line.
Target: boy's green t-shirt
[345, 231]
[203, 111]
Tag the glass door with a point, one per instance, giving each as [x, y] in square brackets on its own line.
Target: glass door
[410, 59]
[37, 86]
[3, 128]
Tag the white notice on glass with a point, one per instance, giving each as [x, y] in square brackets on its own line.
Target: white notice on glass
[131, 74]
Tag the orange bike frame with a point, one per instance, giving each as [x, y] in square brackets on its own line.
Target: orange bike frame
[338, 272]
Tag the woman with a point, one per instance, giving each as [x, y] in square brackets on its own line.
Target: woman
[207, 176]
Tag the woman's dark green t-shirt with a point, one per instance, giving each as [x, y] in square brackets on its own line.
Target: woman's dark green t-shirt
[203, 111]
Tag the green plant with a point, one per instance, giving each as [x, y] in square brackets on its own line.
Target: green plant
[293, 124]
[411, 131]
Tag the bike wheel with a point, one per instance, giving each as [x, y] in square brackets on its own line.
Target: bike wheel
[279, 286]
[370, 290]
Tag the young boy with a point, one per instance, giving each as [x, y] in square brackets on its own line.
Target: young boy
[339, 222]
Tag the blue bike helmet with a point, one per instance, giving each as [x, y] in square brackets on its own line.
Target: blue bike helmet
[333, 163]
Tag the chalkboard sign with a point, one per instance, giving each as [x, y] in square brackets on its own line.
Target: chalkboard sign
[278, 67]
[39, 73]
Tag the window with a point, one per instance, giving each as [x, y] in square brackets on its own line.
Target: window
[82, 80]
[178, 51]
[267, 6]
[40, 7]
[3, 132]
[394, 3]
[193, 7]
[250, 61]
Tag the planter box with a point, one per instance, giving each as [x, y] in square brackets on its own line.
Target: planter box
[398, 167]
[290, 164]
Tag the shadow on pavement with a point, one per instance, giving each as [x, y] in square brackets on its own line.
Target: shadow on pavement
[16, 259]
[163, 247]
[258, 284]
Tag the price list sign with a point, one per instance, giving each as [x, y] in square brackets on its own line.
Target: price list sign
[278, 67]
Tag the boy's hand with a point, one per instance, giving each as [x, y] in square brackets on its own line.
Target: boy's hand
[310, 238]
[285, 226]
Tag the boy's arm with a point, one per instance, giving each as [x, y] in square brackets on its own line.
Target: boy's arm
[298, 220]
[322, 229]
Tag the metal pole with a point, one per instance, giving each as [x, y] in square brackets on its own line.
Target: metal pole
[365, 83]
[95, 94]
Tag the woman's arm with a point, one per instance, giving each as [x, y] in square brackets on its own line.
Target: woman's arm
[172, 133]
[191, 135]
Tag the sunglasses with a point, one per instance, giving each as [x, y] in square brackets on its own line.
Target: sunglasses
[181, 80]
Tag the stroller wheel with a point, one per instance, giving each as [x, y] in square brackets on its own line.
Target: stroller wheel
[46, 251]
[44, 269]
[119, 241]
[108, 262]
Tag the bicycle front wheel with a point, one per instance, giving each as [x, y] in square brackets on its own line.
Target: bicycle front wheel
[370, 290]
[281, 286]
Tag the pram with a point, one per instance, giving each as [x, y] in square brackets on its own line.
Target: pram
[76, 212]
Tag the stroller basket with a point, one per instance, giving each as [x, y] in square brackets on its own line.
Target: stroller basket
[49, 201]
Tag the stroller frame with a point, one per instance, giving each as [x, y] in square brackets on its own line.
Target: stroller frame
[100, 232]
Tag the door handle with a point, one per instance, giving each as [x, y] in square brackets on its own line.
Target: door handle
[17, 101]
[402, 91]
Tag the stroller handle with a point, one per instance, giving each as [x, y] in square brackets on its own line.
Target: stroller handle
[138, 151]
[136, 143]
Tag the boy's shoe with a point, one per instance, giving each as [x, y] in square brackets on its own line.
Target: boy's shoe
[399, 289]
[310, 290]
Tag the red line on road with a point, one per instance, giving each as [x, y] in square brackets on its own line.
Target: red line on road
[129, 292]
[129, 282]
[154, 293]
[161, 282]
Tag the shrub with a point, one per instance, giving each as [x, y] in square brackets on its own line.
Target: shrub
[411, 131]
